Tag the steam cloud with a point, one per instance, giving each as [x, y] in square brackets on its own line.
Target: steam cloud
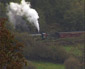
[16, 12]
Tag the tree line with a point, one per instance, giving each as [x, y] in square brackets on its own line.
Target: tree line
[56, 15]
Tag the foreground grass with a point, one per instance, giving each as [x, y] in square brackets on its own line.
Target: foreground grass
[47, 65]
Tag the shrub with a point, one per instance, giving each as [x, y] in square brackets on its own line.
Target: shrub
[48, 53]
[41, 50]
[72, 63]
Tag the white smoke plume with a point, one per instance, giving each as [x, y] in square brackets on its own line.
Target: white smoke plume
[16, 12]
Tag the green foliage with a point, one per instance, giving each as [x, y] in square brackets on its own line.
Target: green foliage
[7, 1]
[38, 50]
[51, 50]
[66, 15]
[56, 15]
[74, 16]
[2, 10]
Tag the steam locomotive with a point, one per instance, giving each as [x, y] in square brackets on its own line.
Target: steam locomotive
[57, 35]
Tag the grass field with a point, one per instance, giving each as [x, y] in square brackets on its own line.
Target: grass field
[75, 49]
[47, 65]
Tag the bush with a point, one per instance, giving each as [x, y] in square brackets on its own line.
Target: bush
[42, 50]
[72, 63]
[48, 53]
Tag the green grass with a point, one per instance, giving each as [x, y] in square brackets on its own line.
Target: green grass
[68, 49]
[75, 49]
[47, 65]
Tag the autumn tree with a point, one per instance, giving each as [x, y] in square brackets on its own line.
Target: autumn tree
[10, 50]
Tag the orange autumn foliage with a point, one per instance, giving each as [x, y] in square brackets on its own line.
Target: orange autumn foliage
[10, 50]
